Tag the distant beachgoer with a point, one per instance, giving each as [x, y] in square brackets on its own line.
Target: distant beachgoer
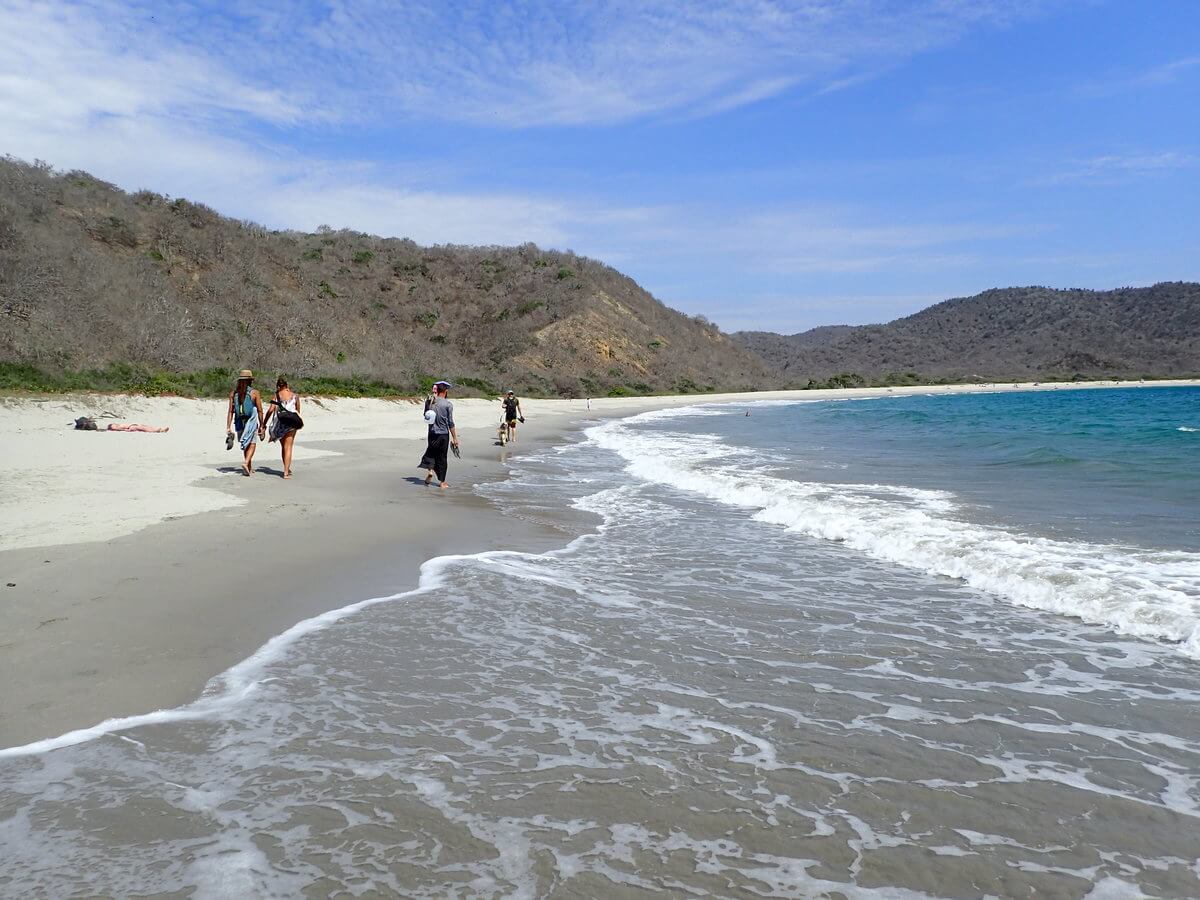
[133, 426]
[512, 413]
[442, 436]
[245, 411]
[284, 428]
[589, 399]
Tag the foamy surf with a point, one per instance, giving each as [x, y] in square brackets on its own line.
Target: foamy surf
[1146, 593]
[239, 682]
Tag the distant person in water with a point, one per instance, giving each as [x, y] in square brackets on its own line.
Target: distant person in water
[245, 412]
[284, 428]
[512, 413]
[442, 435]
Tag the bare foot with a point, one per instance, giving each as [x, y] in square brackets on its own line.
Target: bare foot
[429, 478]
[245, 470]
[287, 475]
[443, 485]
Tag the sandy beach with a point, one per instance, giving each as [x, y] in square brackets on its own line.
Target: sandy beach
[138, 566]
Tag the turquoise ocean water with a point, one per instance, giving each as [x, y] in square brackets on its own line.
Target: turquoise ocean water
[927, 646]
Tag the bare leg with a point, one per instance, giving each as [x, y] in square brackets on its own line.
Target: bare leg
[248, 465]
[286, 448]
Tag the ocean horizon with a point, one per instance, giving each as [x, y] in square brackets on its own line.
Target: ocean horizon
[910, 646]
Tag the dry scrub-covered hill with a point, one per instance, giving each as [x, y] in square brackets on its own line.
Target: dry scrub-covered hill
[91, 276]
[1031, 333]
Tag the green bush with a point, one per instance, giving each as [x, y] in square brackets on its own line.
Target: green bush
[324, 290]
[363, 257]
[313, 255]
[564, 273]
[529, 306]
[428, 319]
[438, 339]
[479, 384]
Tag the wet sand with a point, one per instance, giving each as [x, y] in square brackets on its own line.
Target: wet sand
[141, 622]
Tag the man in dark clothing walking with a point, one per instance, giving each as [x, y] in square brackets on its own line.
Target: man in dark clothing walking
[442, 435]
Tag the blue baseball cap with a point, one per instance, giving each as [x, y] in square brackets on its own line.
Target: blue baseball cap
[444, 384]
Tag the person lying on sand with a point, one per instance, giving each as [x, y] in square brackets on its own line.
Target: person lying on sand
[86, 423]
[133, 426]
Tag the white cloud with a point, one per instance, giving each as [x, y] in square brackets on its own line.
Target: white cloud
[62, 63]
[788, 314]
[807, 240]
[1115, 168]
[1161, 75]
[511, 63]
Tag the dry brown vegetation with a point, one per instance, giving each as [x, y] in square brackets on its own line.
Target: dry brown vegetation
[1028, 333]
[92, 276]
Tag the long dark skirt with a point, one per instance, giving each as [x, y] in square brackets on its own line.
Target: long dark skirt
[435, 455]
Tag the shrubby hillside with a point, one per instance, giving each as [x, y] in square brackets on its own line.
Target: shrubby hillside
[92, 277]
[1031, 333]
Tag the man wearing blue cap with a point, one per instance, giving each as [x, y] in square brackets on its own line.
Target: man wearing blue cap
[442, 435]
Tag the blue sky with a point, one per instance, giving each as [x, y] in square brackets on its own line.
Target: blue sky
[771, 165]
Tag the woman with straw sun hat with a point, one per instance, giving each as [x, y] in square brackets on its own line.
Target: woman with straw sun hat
[245, 411]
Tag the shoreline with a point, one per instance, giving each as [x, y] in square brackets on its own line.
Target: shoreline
[143, 617]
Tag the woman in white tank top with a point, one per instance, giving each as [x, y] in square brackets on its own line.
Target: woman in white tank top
[284, 432]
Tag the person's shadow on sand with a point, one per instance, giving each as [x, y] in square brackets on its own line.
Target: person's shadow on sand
[414, 479]
[258, 470]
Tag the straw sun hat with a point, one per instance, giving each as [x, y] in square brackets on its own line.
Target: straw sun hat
[245, 373]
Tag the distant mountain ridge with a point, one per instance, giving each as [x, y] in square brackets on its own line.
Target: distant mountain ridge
[91, 276]
[1002, 334]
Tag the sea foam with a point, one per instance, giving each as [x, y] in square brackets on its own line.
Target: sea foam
[1147, 593]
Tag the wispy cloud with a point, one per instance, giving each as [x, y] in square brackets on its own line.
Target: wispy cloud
[511, 64]
[1161, 75]
[790, 313]
[64, 64]
[1117, 168]
[807, 240]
